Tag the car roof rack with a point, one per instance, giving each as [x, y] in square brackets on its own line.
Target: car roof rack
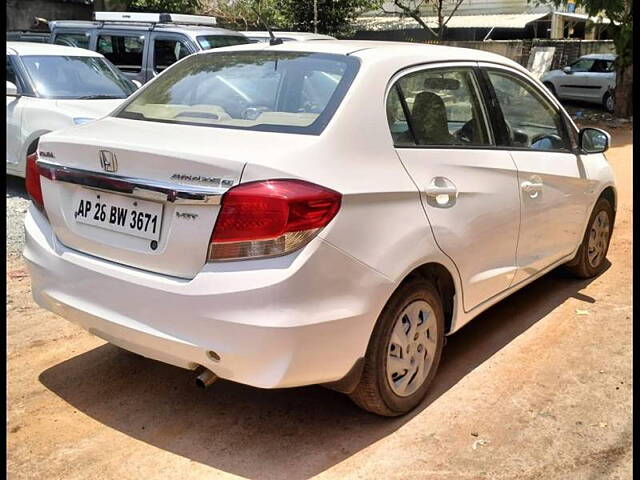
[154, 18]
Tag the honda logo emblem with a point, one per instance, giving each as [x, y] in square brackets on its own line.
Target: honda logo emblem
[108, 161]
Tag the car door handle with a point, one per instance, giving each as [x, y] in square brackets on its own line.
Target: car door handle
[531, 187]
[433, 191]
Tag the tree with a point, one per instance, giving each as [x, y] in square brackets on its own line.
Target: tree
[334, 16]
[443, 10]
[620, 13]
[246, 14]
[163, 6]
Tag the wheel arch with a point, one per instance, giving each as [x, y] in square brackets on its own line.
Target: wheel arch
[609, 193]
[445, 284]
[31, 143]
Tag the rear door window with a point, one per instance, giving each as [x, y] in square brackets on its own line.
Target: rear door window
[443, 107]
[602, 66]
[167, 51]
[124, 51]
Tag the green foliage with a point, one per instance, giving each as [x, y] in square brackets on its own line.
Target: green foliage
[163, 6]
[334, 16]
[246, 14]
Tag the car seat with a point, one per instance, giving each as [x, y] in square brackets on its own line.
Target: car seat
[430, 123]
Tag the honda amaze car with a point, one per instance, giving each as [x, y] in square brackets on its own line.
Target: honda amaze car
[591, 78]
[315, 212]
[50, 87]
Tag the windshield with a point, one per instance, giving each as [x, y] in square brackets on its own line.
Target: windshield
[208, 42]
[63, 77]
[257, 90]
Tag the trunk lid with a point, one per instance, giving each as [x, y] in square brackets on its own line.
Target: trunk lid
[173, 237]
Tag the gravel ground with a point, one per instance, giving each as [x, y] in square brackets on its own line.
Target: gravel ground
[17, 203]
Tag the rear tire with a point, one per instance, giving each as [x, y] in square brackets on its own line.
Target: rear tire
[408, 337]
[590, 258]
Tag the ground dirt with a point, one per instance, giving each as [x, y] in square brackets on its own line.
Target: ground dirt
[538, 387]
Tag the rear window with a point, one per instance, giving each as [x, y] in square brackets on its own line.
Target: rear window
[294, 92]
[208, 42]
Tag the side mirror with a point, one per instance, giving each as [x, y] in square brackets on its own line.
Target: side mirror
[12, 90]
[593, 140]
[567, 69]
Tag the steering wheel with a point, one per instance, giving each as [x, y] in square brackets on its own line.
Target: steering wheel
[465, 133]
[251, 112]
[555, 140]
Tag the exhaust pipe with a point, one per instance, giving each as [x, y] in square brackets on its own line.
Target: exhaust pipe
[206, 378]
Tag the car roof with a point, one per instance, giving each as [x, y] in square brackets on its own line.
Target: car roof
[34, 48]
[601, 56]
[295, 35]
[373, 51]
[193, 30]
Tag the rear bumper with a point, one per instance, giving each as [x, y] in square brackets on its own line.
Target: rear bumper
[297, 320]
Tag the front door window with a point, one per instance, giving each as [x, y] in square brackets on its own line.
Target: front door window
[532, 122]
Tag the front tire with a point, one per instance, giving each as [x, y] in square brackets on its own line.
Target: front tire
[608, 102]
[590, 259]
[404, 351]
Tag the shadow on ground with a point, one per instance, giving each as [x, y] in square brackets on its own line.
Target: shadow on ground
[263, 434]
[16, 187]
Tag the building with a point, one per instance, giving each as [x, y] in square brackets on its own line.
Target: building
[484, 20]
[33, 14]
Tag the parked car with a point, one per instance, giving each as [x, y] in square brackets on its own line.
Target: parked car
[591, 78]
[142, 45]
[28, 36]
[232, 216]
[264, 37]
[51, 87]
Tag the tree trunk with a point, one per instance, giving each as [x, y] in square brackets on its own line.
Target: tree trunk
[624, 92]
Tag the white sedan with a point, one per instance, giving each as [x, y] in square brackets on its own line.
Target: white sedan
[315, 212]
[264, 36]
[50, 87]
[591, 78]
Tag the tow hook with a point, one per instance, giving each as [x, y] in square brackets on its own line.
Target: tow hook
[206, 378]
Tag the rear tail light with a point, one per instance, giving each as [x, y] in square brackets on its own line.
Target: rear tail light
[272, 217]
[32, 181]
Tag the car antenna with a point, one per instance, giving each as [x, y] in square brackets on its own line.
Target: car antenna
[272, 40]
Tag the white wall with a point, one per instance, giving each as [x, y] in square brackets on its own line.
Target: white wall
[483, 7]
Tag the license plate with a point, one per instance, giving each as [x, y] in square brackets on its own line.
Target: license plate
[118, 213]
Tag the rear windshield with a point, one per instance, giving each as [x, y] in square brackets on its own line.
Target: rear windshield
[207, 42]
[294, 92]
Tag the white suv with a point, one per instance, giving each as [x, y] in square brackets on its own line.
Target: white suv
[315, 212]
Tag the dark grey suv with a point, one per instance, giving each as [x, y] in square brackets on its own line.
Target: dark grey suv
[142, 45]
